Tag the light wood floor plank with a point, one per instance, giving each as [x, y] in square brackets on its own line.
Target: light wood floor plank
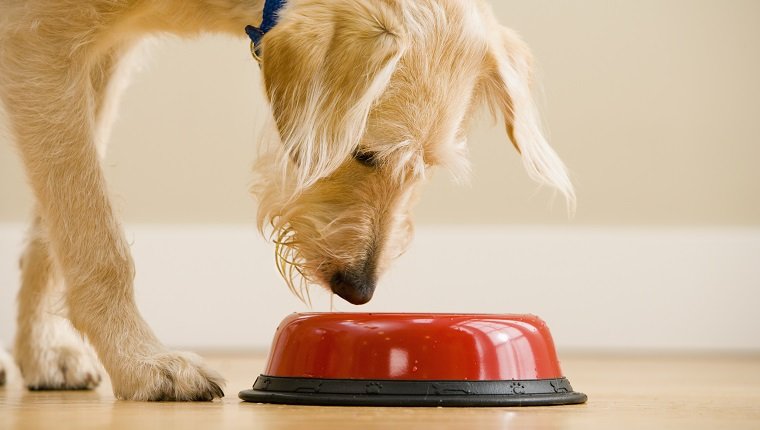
[673, 392]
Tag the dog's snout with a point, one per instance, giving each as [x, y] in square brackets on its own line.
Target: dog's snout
[354, 286]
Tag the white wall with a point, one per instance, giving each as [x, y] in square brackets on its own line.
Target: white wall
[598, 288]
[653, 104]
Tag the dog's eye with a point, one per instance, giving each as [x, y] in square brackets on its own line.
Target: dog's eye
[368, 159]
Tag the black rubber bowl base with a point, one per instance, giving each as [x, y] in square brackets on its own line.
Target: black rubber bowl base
[361, 392]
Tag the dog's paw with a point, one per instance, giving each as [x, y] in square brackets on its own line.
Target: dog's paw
[63, 367]
[56, 357]
[5, 363]
[168, 376]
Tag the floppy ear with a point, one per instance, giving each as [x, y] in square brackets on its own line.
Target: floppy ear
[324, 65]
[507, 86]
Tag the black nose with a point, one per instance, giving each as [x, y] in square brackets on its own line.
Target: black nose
[354, 286]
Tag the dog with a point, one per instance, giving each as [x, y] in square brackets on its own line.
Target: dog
[366, 96]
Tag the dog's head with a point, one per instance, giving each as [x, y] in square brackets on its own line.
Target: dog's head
[366, 97]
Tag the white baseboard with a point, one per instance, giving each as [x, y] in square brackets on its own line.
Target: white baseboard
[210, 286]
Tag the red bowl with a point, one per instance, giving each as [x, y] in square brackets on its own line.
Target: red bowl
[413, 360]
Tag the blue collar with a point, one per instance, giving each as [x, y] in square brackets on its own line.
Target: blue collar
[271, 9]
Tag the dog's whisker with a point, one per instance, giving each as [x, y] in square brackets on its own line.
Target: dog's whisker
[284, 267]
[290, 264]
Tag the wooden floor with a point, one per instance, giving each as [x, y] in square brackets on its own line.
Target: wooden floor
[643, 392]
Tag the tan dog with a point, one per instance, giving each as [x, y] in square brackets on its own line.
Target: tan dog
[366, 96]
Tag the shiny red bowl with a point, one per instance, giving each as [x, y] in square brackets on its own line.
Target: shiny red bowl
[413, 360]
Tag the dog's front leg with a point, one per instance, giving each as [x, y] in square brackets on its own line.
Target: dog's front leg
[50, 90]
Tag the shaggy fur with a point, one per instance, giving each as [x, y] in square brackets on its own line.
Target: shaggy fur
[366, 96]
